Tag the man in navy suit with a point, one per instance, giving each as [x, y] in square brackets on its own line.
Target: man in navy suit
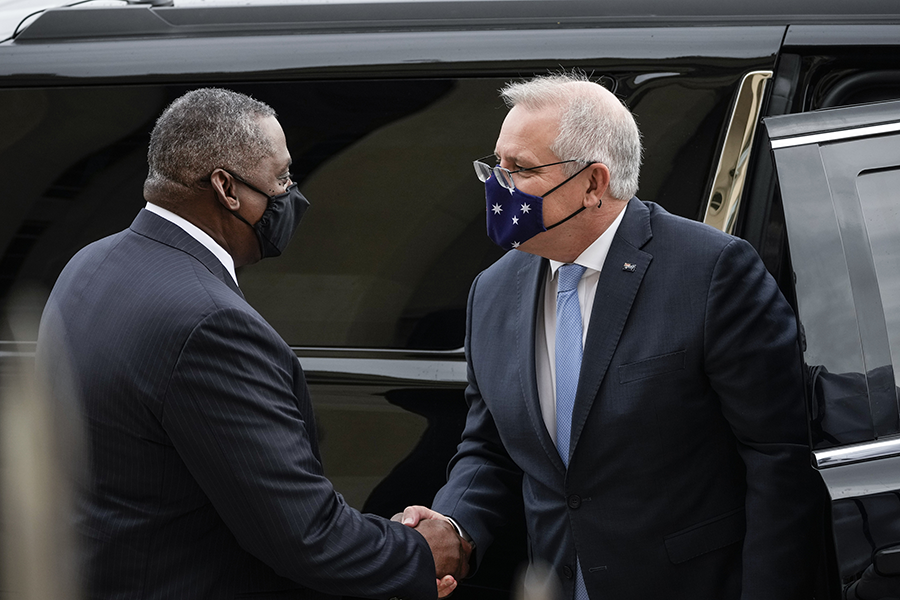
[656, 431]
[205, 475]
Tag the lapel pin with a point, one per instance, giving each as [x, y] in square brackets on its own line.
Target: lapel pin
[630, 267]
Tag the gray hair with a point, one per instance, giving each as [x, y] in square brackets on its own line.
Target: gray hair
[593, 125]
[204, 130]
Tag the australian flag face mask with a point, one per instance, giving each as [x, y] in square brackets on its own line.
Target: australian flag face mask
[514, 216]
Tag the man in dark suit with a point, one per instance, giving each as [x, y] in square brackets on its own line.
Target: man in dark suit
[205, 475]
[657, 430]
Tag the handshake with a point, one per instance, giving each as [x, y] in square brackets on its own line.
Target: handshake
[451, 552]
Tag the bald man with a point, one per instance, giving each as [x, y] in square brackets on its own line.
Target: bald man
[635, 376]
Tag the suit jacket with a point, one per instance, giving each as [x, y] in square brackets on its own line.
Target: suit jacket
[689, 472]
[205, 474]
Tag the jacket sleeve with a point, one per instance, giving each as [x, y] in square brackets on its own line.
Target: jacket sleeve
[483, 481]
[753, 362]
[243, 424]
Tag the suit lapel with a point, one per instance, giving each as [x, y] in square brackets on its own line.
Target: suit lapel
[529, 288]
[165, 232]
[620, 279]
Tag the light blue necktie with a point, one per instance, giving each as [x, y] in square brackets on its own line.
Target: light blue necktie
[568, 353]
[569, 332]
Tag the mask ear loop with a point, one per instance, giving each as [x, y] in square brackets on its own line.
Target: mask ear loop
[562, 184]
[569, 179]
[255, 189]
[566, 219]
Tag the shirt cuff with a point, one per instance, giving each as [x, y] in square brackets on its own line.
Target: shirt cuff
[462, 532]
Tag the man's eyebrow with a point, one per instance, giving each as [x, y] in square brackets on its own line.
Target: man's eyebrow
[513, 158]
[522, 162]
[518, 160]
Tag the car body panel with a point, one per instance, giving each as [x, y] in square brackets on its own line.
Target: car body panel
[839, 170]
[209, 58]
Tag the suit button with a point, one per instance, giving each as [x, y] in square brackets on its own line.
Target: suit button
[574, 501]
[567, 571]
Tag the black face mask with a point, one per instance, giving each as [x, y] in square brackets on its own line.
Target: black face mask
[280, 220]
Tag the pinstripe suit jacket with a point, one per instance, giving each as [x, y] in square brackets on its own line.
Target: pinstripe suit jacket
[205, 477]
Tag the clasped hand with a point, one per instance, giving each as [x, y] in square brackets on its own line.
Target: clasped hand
[451, 552]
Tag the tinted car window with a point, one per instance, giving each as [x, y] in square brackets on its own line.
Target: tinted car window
[878, 198]
[392, 241]
[840, 215]
[395, 233]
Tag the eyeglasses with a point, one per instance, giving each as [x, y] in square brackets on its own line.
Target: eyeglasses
[504, 176]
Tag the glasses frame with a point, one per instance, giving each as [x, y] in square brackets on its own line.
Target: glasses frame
[504, 176]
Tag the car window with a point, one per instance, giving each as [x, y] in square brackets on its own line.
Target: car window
[881, 211]
[838, 172]
[395, 233]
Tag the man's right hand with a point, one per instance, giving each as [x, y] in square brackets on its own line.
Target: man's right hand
[451, 552]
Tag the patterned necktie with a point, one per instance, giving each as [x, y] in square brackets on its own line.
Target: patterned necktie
[569, 332]
[568, 353]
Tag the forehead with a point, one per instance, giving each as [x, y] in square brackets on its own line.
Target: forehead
[528, 133]
[271, 128]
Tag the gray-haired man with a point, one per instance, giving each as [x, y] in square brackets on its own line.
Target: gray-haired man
[635, 376]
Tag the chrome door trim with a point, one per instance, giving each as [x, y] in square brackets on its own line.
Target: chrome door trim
[857, 453]
[731, 172]
[863, 479]
[835, 135]
[442, 367]
[438, 371]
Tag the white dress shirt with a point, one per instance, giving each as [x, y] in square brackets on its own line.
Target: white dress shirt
[198, 234]
[592, 258]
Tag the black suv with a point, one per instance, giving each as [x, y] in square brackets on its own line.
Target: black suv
[386, 104]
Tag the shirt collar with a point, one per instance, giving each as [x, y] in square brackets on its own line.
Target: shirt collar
[594, 255]
[198, 234]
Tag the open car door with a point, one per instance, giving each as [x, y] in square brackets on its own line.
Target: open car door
[839, 175]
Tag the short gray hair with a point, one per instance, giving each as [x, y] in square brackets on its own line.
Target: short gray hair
[204, 130]
[591, 127]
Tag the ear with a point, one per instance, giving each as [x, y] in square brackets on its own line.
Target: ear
[598, 183]
[223, 185]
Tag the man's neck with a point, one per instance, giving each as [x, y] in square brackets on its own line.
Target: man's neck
[198, 234]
